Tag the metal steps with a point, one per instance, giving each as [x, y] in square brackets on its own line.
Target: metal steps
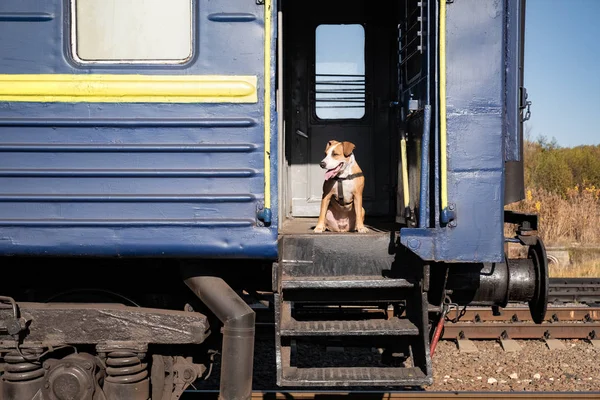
[352, 376]
[349, 290]
[342, 282]
[375, 327]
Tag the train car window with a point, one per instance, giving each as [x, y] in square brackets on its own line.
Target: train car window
[340, 71]
[132, 31]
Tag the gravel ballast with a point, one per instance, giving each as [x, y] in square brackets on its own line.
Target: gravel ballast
[534, 368]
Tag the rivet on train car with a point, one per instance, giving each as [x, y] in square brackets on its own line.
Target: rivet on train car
[414, 244]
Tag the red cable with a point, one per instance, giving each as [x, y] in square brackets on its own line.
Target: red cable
[438, 333]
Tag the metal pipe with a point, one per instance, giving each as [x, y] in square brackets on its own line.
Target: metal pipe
[238, 332]
[424, 200]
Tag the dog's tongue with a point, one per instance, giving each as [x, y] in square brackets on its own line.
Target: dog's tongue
[331, 172]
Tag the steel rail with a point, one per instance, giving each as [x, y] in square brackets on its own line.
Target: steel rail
[349, 395]
[521, 330]
[516, 314]
[574, 290]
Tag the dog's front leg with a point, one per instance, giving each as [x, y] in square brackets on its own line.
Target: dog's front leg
[358, 209]
[324, 206]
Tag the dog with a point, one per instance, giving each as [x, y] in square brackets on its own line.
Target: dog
[342, 203]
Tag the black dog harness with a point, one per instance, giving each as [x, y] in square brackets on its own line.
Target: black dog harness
[340, 186]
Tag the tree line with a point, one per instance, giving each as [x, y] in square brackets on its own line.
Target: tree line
[557, 169]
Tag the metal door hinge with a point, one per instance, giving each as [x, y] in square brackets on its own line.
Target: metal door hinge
[524, 104]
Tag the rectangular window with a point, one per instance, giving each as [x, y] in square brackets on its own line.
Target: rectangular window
[340, 72]
[132, 31]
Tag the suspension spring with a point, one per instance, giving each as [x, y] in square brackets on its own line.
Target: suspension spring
[124, 366]
[19, 369]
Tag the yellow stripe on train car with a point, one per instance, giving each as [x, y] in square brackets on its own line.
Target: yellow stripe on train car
[93, 88]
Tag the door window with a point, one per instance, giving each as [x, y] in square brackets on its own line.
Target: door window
[340, 72]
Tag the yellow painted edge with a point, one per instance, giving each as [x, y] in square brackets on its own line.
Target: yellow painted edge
[267, 120]
[104, 88]
[405, 173]
[443, 142]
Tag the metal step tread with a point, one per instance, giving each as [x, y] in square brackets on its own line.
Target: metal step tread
[380, 327]
[342, 282]
[360, 376]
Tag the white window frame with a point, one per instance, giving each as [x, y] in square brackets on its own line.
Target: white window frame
[73, 44]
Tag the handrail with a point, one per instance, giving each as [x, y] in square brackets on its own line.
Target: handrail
[443, 139]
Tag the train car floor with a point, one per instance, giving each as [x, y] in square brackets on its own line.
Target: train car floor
[295, 226]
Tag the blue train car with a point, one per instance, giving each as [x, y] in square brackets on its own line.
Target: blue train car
[162, 162]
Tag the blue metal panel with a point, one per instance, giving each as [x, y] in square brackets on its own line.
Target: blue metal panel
[135, 179]
[514, 41]
[476, 73]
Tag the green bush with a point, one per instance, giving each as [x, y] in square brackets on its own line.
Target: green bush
[558, 169]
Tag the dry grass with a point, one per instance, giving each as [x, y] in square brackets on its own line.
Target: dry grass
[589, 269]
[572, 221]
[574, 218]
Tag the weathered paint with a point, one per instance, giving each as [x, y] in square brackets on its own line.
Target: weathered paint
[100, 173]
[476, 73]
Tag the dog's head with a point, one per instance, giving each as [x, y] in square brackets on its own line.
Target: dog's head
[337, 157]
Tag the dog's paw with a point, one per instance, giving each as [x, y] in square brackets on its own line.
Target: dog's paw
[319, 229]
[363, 229]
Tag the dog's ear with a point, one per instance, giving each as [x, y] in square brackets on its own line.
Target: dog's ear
[348, 148]
[329, 144]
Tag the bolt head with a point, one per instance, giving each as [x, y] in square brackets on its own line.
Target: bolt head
[88, 365]
[414, 244]
[187, 374]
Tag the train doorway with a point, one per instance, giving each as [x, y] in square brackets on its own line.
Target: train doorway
[340, 77]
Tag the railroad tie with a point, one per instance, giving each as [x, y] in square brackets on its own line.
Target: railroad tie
[554, 344]
[510, 345]
[466, 346]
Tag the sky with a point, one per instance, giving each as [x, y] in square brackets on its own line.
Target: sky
[562, 70]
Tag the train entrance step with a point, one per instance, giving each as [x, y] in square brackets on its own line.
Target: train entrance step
[342, 282]
[314, 309]
[357, 376]
[391, 327]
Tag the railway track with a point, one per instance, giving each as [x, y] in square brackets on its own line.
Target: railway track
[515, 323]
[398, 395]
[574, 290]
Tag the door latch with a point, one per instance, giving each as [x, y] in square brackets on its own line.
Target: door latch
[524, 104]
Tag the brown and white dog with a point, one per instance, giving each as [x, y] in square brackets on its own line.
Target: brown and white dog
[341, 206]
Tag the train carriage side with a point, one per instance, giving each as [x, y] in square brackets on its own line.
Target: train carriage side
[131, 128]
